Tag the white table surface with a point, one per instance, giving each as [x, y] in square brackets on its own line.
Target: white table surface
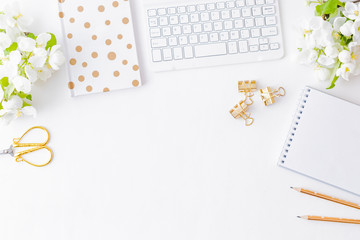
[167, 161]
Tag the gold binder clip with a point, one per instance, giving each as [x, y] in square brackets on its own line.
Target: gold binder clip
[247, 87]
[268, 96]
[240, 111]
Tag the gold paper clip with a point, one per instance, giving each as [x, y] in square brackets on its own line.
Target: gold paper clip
[247, 87]
[240, 111]
[32, 147]
[268, 96]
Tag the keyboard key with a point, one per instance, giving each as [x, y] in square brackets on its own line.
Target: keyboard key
[201, 7]
[224, 36]
[156, 53]
[250, 2]
[246, 12]
[167, 53]
[163, 21]
[259, 21]
[255, 32]
[274, 46]
[218, 26]
[240, 3]
[228, 25]
[249, 22]
[207, 27]
[204, 38]
[155, 32]
[270, 1]
[256, 11]
[243, 46]
[158, 42]
[173, 41]
[270, 31]
[193, 39]
[171, 10]
[234, 35]
[186, 29]
[253, 41]
[182, 9]
[232, 47]
[183, 40]
[239, 23]
[260, 2]
[215, 16]
[166, 31]
[161, 11]
[194, 18]
[208, 50]
[245, 33]
[184, 19]
[225, 14]
[174, 20]
[264, 47]
[235, 13]
[268, 10]
[153, 22]
[188, 52]
[263, 41]
[152, 13]
[210, 6]
[176, 30]
[204, 17]
[230, 4]
[197, 28]
[270, 20]
[178, 54]
[220, 5]
[214, 37]
[191, 8]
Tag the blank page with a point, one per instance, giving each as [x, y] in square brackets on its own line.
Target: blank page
[324, 141]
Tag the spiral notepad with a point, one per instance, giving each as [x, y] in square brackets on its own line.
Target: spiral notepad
[324, 141]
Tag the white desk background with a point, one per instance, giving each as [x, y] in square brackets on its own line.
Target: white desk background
[167, 160]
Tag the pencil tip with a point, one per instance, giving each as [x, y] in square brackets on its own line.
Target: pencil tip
[292, 187]
[299, 216]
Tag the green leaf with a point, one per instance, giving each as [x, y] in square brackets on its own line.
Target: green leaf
[329, 7]
[52, 42]
[29, 97]
[31, 35]
[12, 47]
[1, 107]
[25, 104]
[8, 91]
[22, 95]
[333, 75]
[4, 82]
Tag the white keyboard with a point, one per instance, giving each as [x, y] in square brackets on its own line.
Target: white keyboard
[213, 33]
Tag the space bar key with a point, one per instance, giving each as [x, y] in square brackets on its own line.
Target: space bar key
[209, 50]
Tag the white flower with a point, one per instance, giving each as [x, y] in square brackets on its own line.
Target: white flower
[352, 55]
[355, 30]
[21, 84]
[5, 41]
[26, 44]
[326, 61]
[345, 29]
[338, 22]
[351, 10]
[13, 109]
[307, 56]
[1, 94]
[346, 70]
[324, 35]
[10, 64]
[345, 56]
[43, 73]
[306, 39]
[322, 74]
[39, 57]
[56, 57]
[42, 40]
[14, 17]
[332, 50]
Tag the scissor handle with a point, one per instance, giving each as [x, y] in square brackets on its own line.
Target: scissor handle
[19, 155]
[16, 141]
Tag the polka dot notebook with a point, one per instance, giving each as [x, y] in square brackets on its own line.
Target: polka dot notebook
[100, 45]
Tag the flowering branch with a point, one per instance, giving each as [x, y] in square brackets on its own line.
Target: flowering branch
[24, 59]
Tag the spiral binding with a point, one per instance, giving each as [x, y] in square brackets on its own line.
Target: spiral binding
[295, 124]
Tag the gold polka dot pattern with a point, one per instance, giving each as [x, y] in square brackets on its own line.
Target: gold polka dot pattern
[100, 45]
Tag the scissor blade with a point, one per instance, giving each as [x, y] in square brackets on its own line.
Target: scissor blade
[10, 151]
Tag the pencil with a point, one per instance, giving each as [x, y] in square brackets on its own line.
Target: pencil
[326, 197]
[330, 219]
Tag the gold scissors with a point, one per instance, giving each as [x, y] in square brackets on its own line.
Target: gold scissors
[32, 147]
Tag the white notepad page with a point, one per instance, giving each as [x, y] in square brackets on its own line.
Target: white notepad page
[324, 141]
